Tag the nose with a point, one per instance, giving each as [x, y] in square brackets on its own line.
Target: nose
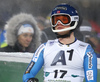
[59, 22]
[29, 39]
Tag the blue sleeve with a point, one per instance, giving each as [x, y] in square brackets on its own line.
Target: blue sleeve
[35, 64]
[90, 65]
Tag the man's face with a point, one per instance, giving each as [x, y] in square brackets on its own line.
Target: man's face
[60, 26]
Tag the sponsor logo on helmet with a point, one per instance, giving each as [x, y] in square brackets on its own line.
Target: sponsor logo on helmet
[58, 11]
[62, 8]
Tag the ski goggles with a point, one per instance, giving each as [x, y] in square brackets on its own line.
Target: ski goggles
[64, 19]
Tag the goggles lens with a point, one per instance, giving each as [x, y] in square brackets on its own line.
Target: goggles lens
[65, 19]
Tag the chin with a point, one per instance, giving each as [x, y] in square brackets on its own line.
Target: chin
[63, 33]
[26, 46]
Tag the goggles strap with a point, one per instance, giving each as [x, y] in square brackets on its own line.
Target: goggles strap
[74, 18]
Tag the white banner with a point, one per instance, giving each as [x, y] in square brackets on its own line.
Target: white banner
[22, 57]
[16, 57]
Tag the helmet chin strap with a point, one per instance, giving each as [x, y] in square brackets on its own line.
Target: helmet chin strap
[66, 29]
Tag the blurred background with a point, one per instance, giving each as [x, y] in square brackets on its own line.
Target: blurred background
[89, 31]
[41, 9]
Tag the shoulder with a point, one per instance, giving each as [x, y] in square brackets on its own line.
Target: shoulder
[86, 46]
[51, 42]
[47, 44]
[82, 44]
